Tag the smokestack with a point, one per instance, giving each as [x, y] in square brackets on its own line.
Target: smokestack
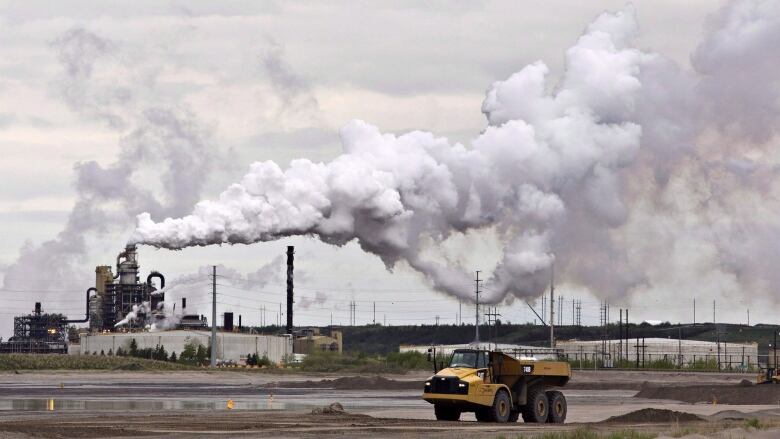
[37, 308]
[183, 304]
[227, 324]
[239, 322]
[290, 253]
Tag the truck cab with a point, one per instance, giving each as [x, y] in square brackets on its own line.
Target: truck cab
[498, 388]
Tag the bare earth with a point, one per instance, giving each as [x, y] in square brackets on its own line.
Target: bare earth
[195, 404]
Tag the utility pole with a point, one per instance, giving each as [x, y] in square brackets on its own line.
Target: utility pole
[476, 314]
[713, 312]
[375, 312]
[492, 317]
[572, 312]
[214, 316]
[620, 335]
[552, 305]
[460, 312]
[626, 333]
[694, 312]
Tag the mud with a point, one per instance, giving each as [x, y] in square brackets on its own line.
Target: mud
[715, 394]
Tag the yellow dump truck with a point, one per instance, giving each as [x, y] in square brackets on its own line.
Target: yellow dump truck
[498, 387]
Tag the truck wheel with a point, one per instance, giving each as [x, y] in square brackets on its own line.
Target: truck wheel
[502, 407]
[537, 406]
[446, 413]
[557, 407]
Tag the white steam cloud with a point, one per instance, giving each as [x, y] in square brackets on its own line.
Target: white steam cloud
[630, 173]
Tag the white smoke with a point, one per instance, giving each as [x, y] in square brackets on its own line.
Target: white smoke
[625, 173]
[161, 137]
[135, 315]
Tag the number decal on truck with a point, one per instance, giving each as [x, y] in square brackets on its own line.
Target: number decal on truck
[528, 369]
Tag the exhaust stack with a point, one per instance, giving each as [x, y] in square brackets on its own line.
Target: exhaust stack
[290, 301]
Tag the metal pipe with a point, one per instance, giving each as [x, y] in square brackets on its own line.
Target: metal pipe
[86, 318]
[156, 274]
[122, 254]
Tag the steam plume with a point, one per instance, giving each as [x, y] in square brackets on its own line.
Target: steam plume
[625, 172]
[162, 137]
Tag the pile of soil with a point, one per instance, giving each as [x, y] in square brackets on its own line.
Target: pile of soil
[659, 416]
[354, 383]
[715, 394]
[331, 409]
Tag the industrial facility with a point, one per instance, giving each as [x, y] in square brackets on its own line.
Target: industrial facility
[121, 299]
[120, 308]
[40, 333]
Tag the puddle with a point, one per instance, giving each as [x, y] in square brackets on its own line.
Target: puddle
[141, 405]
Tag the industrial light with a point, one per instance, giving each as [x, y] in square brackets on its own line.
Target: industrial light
[52, 331]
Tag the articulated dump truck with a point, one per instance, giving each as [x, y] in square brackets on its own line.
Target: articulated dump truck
[498, 388]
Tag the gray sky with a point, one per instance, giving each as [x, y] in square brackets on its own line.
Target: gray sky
[276, 80]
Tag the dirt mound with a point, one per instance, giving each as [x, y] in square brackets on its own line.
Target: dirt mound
[771, 414]
[646, 416]
[354, 383]
[334, 408]
[715, 394]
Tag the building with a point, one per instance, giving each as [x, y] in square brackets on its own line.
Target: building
[540, 353]
[311, 340]
[230, 346]
[645, 352]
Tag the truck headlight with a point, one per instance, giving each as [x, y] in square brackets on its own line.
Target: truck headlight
[463, 388]
[461, 384]
[427, 387]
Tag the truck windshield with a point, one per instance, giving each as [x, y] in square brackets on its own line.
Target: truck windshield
[464, 359]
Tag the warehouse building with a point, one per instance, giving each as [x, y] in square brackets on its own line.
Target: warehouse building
[644, 352]
[230, 346]
[540, 353]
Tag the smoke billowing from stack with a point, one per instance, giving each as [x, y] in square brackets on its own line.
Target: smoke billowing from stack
[631, 172]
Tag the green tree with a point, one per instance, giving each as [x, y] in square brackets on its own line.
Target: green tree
[189, 354]
[133, 348]
[110, 352]
[202, 356]
[102, 353]
[173, 358]
[120, 352]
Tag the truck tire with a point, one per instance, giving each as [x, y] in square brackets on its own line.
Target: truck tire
[557, 407]
[444, 413]
[537, 407]
[502, 407]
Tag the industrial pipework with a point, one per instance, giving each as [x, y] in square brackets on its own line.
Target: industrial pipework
[158, 275]
[86, 317]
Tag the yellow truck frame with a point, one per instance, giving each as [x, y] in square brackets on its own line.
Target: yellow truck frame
[499, 388]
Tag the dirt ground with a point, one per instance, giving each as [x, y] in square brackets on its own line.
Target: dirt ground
[195, 404]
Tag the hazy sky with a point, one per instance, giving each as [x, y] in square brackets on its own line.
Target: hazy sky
[274, 80]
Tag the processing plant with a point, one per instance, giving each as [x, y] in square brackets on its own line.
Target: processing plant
[121, 299]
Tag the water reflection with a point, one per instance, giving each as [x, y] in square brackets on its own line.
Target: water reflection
[140, 404]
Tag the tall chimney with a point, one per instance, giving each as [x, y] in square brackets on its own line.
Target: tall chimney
[183, 304]
[290, 253]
